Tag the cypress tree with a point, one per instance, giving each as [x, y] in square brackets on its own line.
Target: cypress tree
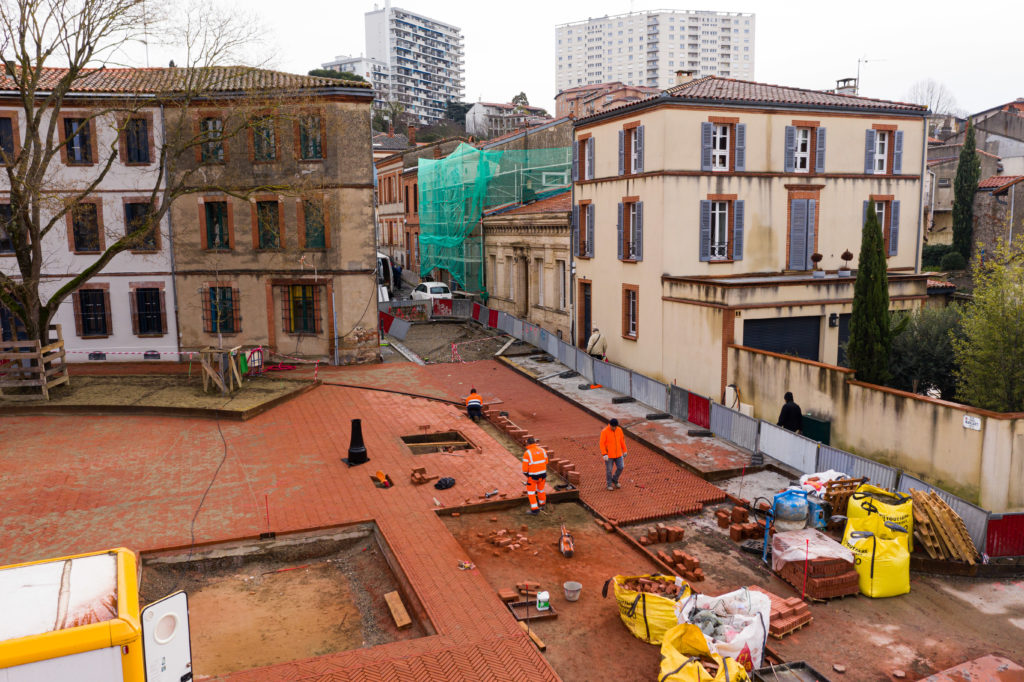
[965, 185]
[870, 334]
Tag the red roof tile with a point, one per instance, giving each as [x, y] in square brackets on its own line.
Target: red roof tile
[560, 203]
[733, 90]
[997, 182]
[939, 284]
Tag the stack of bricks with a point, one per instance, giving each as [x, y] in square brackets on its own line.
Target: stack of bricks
[684, 564]
[661, 533]
[737, 520]
[564, 468]
[787, 615]
[508, 539]
[605, 524]
[528, 589]
[827, 578]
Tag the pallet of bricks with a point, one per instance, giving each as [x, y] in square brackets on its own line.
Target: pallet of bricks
[814, 564]
[941, 530]
[787, 615]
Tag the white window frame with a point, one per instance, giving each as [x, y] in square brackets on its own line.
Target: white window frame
[631, 252]
[634, 150]
[802, 151]
[720, 147]
[880, 212]
[881, 151]
[631, 305]
[719, 230]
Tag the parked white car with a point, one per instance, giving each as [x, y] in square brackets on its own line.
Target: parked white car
[426, 291]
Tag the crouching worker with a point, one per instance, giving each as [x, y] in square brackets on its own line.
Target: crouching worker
[535, 466]
[474, 404]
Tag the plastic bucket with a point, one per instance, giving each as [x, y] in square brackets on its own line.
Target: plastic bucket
[572, 590]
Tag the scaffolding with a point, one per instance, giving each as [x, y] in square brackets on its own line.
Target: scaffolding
[456, 191]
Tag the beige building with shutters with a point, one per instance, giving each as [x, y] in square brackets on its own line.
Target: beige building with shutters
[697, 212]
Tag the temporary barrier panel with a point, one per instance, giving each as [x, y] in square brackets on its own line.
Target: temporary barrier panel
[1005, 535]
[857, 467]
[567, 355]
[533, 335]
[678, 399]
[505, 322]
[386, 320]
[462, 307]
[698, 410]
[442, 307]
[517, 327]
[585, 365]
[734, 426]
[721, 421]
[478, 313]
[649, 392]
[492, 319]
[975, 518]
[602, 373]
[619, 380]
[789, 448]
[394, 326]
[551, 344]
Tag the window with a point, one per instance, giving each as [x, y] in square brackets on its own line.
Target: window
[888, 212]
[583, 225]
[309, 137]
[583, 162]
[268, 225]
[85, 227]
[217, 233]
[136, 215]
[723, 145]
[944, 182]
[720, 147]
[881, 151]
[6, 216]
[313, 222]
[264, 140]
[631, 149]
[539, 267]
[221, 308]
[148, 315]
[93, 312]
[303, 309]
[802, 151]
[211, 132]
[560, 283]
[721, 228]
[802, 229]
[415, 198]
[630, 311]
[631, 230]
[78, 143]
[136, 140]
[7, 137]
[805, 148]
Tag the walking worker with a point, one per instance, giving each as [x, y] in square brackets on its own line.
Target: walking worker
[790, 416]
[596, 345]
[535, 466]
[474, 404]
[613, 450]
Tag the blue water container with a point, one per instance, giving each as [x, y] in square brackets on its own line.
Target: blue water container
[790, 510]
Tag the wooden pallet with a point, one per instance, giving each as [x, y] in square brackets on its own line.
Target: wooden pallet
[780, 635]
[837, 493]
[941, 530]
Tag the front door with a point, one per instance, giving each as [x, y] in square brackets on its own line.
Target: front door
[585, 319]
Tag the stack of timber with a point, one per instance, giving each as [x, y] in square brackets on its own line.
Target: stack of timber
[941, 530]
[29, 364]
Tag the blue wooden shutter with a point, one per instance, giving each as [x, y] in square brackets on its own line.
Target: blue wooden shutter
[706, 129]
[705, 230]
[894, 228]
[897, 154]
[869, 151]
[576, 230]
[588, 172]
[798, 234]
[619, 231]
[575, 160]
[788, 162]
[737, 229]
[638, 232]
[622, 152]
[741, 147]
[590, 230]
[640, 149]
[819, 151]
[812, 206]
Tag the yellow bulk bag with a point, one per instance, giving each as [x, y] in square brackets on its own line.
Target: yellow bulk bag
[648, 616]
[683, 653]
[891, 506]
[880, 556]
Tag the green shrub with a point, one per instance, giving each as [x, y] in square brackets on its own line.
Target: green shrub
[953, 261]
[931, 254]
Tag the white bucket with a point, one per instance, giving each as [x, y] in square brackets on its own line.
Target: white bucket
[543, 601]
[572, 590]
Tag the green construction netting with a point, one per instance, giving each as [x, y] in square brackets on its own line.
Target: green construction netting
[456, 191]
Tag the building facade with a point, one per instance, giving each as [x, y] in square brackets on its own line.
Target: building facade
[943, 161]
[648, 47]
[391, 209]
[375, 71]
[492, 119]
[998, 212]
[587, 100]
[696, 216]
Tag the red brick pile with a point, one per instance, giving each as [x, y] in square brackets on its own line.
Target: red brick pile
[670, 590]
[508, 539]
[686, 565]
[661, 533]
[787, 615]
[827, 578]
[737, 520]
[563, 467]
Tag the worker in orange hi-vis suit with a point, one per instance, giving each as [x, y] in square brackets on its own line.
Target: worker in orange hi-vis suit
[535, 466]
[613, 450]
[474, 404]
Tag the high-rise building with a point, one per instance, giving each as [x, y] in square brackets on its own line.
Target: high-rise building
[647, 48]
[422, 59]
[374, 71]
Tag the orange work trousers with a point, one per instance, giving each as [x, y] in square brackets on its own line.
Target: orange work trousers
[535, 491]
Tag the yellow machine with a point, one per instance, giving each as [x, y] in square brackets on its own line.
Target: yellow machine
[78, 618]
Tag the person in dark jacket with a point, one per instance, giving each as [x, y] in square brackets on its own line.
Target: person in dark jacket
[790, 417]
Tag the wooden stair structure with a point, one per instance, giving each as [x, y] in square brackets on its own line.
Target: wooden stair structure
[29, 364]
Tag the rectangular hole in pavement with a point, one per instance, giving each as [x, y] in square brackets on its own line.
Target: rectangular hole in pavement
[262, 602]
[443, 441]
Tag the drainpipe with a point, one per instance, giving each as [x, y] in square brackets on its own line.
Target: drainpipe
[170, 240]
[931, 209]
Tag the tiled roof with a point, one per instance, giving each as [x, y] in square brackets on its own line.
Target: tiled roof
[171, 80]
[939, 284]
[387, 142]
[998, 182]
[733, 90]
[934, 140]
[560, 203]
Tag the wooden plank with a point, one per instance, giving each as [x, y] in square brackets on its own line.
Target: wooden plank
[19, 356]
[53, 346]
[23, 383]
[58, 381]
[533, 635]
[398, 611]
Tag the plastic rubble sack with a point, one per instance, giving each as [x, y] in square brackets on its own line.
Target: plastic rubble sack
[881, 559]
[733, 625]
[806, 545]
[895, 507]
[815, 483]
[648, 616]
[683, 655]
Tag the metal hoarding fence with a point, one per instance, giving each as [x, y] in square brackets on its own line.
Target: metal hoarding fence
[620, 379]
[1005, 535]
[734, 426]
[678, 400]
[517, 327]
[505, 322]
[462, 307]
[789, 448]
[585, 365]
[603, 374]
[975, 518]
[532, 334]
[856, 467]
[551, 344]
[566, 355]
[649, 391]
[698, 410]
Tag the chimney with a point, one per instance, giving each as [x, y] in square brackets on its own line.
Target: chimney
[391, 131]
[412, 136]
[684, 76]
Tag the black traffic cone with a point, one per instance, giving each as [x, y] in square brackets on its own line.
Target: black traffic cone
[356, 449]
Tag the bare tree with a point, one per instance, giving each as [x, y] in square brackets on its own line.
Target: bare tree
[935, 95]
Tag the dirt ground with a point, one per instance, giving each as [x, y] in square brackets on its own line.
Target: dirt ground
[269, 611]
[167, 390]
[433, 341]
[587, 640]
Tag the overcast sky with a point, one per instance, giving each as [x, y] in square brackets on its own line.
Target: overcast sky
[975, 50]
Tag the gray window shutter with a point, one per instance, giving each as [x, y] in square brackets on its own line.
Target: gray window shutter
[737, 229]
[705, 230]
[589, 171]
[576, 229]
[622, 152]
[706, 129]
[619, 231]
[798, 234]
[864, 215]
[640, 149]
[590, 230]
[741, 147]
[894, 227]
[819, 151]
[897, 154]
[575, 160]
[788, 163]
[812, 206]
[869, 151]
[638, 232]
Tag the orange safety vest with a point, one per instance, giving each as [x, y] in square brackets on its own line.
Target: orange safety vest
[613, 443]
[474, 399]
[535, 460]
